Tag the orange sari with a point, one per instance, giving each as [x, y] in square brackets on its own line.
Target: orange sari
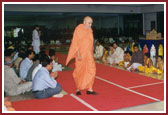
[85, 70]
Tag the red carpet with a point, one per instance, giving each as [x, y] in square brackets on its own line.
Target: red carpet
[121, 77]
[110, 97]
[156, 91]
[67, 103]
[66, 80]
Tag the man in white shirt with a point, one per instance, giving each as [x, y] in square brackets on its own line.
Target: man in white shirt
[36, 40]
[119, 54]
[98, 51]
[26, 64]
[111, 57]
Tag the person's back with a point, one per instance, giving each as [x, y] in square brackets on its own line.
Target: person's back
[17, 62]
[13, 85]
[36, 62]
[24, 67]
[35, 70]
[30, 72]
[10, 80]
[26, 64]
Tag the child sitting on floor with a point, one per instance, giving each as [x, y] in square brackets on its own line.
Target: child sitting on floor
[159, 66]
[127, 59]
[148, 64]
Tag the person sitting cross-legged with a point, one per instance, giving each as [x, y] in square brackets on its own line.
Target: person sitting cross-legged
[44, 83]
[13, 85]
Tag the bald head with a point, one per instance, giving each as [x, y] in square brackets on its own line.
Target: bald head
[87, 21]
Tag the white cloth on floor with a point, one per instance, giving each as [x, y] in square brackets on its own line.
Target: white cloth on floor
[58, 95]
[134, 66]
[56, 66]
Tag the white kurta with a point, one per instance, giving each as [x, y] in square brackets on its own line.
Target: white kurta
[119, 55]
[111, 58]
[36, 41]
[99, 51]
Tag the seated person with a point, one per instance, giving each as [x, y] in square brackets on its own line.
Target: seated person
[136, 60]
[159, 66]
[19, 59]
[13, 85]
[41, 57]
[44, 83]
[105, 55]
[119, 54]
[98, 51]
[148, 64]
[111, 56]
[26, 64]
[36, 62]
[127, 59]
[122, 62]
[10, 54]
[56, 66]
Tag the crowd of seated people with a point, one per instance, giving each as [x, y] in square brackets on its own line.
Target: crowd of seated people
[130, 61]
[24, 71]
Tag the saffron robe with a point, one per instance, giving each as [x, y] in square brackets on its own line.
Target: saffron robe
[85, 70]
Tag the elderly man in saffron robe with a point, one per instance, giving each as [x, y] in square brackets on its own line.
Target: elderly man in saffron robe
[82, 50]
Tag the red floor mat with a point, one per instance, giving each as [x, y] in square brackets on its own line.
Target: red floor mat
[156, 91]
[112, 97]
[66, 80]
[67, 103]
[121, 77]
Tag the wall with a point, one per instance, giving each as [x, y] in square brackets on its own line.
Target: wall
[100, 8]
[148, 17]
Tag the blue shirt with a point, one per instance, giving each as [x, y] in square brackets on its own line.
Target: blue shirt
[43, 80]
[24, 67]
